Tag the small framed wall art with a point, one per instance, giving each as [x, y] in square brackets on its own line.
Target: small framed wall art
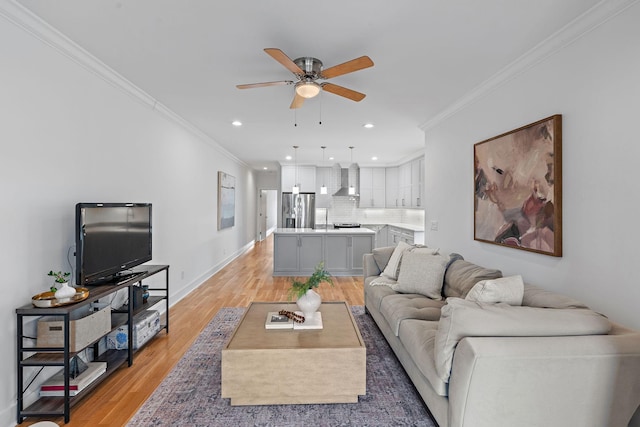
[518, 188]
[226, 200]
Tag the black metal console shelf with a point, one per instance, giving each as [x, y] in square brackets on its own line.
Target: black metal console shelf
[33, 356]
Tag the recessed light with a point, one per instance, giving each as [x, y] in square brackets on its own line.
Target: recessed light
[236, 123]
[288, 157]
[265, 168]
[367, 125]
[331, 158]
[374, 158]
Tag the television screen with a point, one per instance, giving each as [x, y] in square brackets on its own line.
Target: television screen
[111, 238]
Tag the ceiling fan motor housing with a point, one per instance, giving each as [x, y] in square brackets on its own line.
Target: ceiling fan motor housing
[312, 67]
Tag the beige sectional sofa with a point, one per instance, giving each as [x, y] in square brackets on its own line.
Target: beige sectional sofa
[548, 360]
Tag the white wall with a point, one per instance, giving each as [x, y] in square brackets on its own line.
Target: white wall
[69, 136]
[594, 83]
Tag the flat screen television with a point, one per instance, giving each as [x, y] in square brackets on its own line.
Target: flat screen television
[111, 238]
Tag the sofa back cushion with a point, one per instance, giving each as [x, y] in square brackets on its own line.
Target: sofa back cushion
[421, 272]
[460, 318]
[393, 266]
[381, 256]
[538, 297]
[462, 275]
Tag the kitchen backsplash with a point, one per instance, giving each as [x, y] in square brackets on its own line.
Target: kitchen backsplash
[342, 209]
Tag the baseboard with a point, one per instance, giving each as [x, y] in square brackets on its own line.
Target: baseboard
[198, 281]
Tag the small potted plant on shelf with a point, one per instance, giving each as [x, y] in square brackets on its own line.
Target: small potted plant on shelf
[307, 299]
[63, 292]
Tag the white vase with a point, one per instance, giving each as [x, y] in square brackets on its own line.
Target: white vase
[64, 292]
[309, 303]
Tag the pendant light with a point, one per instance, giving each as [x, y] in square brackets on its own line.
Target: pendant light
[352, 189]
[296, 187]
[323, 189]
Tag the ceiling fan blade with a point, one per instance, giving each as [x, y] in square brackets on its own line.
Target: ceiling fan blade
[343, 91]
[280, 56]
[347, 67]
[252, 85]
[297, 101]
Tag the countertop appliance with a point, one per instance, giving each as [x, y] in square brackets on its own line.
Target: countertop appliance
[346, 225]
[298, 210]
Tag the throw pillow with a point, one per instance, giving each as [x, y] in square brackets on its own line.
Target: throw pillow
[461, 318]
[462, 275]
[507, 289]
[393, 266]
[421, 272]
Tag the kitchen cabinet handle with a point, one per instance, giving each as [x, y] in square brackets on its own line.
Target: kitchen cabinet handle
[418, 201]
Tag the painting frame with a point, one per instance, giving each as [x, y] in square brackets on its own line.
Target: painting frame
[518, 188]
[226, 200]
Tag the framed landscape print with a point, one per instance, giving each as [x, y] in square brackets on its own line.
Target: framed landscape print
[226, 200]
[518, 188]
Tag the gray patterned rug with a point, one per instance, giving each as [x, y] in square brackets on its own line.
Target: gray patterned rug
[190, 394]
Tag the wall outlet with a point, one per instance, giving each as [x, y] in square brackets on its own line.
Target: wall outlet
[434, 225]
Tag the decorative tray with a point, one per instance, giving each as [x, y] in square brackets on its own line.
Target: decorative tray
[48, 299]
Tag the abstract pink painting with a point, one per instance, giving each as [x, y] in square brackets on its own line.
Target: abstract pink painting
[518, 188]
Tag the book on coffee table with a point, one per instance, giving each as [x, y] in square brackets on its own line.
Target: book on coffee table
[277, 321]
[312, 322]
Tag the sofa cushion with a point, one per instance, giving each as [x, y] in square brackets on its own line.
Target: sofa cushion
[398, 307]
[421, 272]
[393, 266]
[506, 289]
[538, 297]
[418, 337]
[381, 256]
[375, 294]
[460, 318]
[462, 275]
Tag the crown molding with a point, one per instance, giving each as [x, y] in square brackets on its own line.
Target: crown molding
[41, 30]
[577, 28]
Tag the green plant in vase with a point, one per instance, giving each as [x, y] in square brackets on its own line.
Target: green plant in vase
[59, 277]
[307, 299]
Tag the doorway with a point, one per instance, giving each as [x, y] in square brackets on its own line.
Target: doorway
[267, 213]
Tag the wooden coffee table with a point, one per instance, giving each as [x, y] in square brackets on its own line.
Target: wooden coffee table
[285, 366]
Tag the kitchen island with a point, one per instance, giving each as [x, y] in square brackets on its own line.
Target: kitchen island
[297, 251]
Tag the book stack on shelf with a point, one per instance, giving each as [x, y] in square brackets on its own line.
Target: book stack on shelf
[54, 386]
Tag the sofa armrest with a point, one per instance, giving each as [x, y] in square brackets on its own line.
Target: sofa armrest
[551, 381]
[369, 266]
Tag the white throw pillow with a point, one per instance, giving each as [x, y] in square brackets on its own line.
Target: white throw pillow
[509, 290]
[421, 272]
[393, 266]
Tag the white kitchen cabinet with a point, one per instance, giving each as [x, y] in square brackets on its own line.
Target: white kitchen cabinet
[372, 188]
[417, 182]
[404, 185]
[399, 234]
[306, 178]
[391, 187]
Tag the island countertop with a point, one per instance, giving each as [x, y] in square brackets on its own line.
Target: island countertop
[344, 231]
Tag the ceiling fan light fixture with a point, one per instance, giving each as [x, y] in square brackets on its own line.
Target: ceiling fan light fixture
[307, 89]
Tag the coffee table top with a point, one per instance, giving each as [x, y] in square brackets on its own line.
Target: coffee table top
[339, 329]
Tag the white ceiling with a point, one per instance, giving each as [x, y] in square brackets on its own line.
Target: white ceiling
[189, 55]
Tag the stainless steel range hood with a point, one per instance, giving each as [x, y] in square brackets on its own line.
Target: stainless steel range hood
[347, 178]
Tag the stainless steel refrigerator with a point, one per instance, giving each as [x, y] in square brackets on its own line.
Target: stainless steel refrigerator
[299, 210]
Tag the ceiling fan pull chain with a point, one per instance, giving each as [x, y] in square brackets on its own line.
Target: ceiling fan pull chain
[295, 118]
[320, 100]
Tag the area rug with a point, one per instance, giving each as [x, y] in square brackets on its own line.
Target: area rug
[190, 394]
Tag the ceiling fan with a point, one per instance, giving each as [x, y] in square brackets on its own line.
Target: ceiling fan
[308, 71]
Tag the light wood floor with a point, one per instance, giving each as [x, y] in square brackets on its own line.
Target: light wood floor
[246, 279]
